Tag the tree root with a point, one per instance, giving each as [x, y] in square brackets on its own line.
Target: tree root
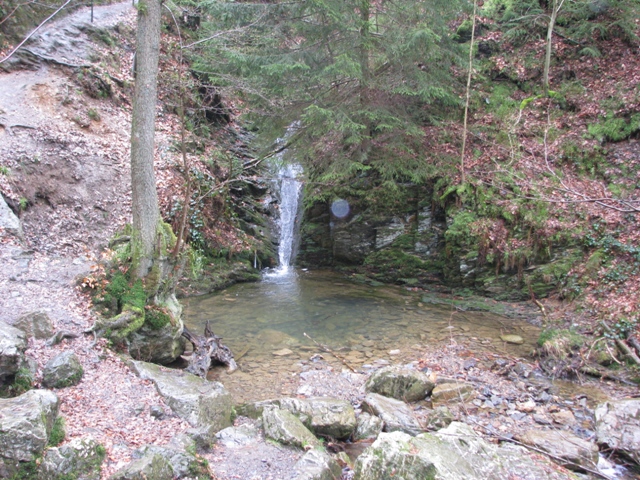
[206, 350]
[59, 336]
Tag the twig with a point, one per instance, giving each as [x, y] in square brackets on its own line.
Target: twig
[328, 350]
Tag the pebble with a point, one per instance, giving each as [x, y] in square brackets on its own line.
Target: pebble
[394, 352]
[541, 419]
[283, 352]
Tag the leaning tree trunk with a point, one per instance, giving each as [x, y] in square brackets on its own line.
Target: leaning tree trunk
[144, 198]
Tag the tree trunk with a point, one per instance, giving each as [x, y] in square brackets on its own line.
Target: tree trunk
[144, 198]
[555, 9]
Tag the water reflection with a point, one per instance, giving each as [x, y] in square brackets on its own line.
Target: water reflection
[264, 323]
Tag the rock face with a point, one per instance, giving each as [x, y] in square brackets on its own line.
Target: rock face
[317, 465]
[25, 423]
[401, 383]
[454, 453]
[198, 401]
[396, 415]
[8, 220]
[574, 450]
[13, 343]
[35, 324]
[353, 240]
[80, 458]
[284, 427]
[63, 370]
[618, 426]
[150, 466]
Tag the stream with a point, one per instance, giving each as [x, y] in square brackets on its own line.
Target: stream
[265, 323]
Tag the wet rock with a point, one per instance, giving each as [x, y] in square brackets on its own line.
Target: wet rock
[63, 370]
[240, 436]
[401, 383]
[618, 426]
[80, 458]
[25, 424]
[454, 453]
[13, 343]
[523, 369]
[317, 465]
[515, 339]
[448, 392]
[353, 241]
[368, 426]
[35, 324]
[284, 427]
[395, 414]
[200, 402]
[283, 352]
[574, 451]
[150, 466]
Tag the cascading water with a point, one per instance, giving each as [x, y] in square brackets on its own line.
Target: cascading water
[289, 192]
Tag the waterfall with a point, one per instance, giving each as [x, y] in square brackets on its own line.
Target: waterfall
[290, 189]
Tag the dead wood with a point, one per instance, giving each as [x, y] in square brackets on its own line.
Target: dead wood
[207, 349]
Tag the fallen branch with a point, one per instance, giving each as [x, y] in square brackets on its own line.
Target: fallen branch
[624, 348]
[328, 350]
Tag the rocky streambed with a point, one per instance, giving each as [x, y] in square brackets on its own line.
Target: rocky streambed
[447, 414]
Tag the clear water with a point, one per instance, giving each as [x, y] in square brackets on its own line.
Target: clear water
[363, 324]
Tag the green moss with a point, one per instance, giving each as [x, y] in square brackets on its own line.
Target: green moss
[615, 129]
[156, 318]
[26, 471]
[560, 343]
[57, 433]
[22, 382]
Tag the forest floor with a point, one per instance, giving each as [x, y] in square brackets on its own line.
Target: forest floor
[67, 157]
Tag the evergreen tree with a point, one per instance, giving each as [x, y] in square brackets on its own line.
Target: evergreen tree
[359, 77]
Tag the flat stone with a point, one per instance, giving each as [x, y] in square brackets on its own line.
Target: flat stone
[317, 465]
[450, 392]
[618, 426]
[515, 339]
[284, 427]
[401, 383]
[283, 352]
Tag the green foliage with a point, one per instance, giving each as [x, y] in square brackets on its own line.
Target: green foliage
[359, 80]
[560, 343]
[615, 129]
[27, 471]
[590, 161]
[622, 328]
[57, 433]
[121, 292]
[4, 170]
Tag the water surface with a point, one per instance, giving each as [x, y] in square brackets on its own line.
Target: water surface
[265, 323]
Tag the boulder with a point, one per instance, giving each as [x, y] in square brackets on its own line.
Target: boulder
[574, 451]
[439, 417]
[25, 424]
[395, 414]
[8, 220]
[368, 426]
[159, 345]
[453, 453]
[452, 392]
[353, 240]
[151, 466]
[324, 416]
[182, 463]
[81, 458]
[241, 436]
[13, 343]
[317, 465]
[618, 426]
[196, 400]
[284, 427]
[62, 371]
[35, 324]
[402, 383]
